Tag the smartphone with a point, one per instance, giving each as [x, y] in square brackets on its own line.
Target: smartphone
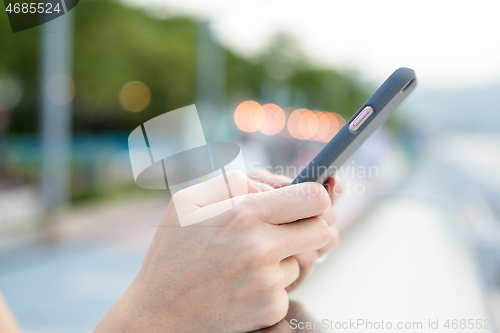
[365, 121]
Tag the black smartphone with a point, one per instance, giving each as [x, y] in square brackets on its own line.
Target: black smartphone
[365, 121]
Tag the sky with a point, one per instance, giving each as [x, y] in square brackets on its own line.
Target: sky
[451, 44]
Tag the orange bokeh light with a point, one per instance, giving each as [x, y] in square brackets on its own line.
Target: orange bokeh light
[308, 124]
[340, 119]
[334, 127]
[274, 119]
[323, 126]
[293, 123]
[302, 124]
[249, 116]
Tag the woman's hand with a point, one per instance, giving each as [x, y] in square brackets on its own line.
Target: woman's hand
[228, 273]
[307, 260]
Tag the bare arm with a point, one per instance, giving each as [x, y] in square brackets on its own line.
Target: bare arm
[8, 323]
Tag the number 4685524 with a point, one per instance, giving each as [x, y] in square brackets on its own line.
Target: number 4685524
[34, 7]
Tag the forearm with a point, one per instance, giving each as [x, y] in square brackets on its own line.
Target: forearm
[121, 317]
[8, 323]
[131, 314]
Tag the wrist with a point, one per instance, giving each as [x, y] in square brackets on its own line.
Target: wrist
[122, 317]
[134, 313]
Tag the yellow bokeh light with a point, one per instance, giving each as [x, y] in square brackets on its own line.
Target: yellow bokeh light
[135, 96]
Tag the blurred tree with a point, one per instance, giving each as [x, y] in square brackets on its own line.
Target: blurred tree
[116, 44]
[18, 61]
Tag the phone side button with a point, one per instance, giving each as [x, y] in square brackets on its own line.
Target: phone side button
[360, 118]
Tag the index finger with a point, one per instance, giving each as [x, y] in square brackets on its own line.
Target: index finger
[269, 178]
[287, 204]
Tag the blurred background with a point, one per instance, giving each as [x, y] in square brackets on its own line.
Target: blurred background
[279, 78]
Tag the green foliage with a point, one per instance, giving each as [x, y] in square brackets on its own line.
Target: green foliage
[115, 44]
[18, 59]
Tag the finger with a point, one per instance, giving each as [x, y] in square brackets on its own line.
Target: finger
[330, 216]
[335, 188]
[290, 268]
[269, 178]
[282, 327]
[306, 263]
[299, 237]
[216, 189]
[333, 242]
[286, 204]
[213, 196]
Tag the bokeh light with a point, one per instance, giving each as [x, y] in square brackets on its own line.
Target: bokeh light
[323, 126]
[301, 124]
[340, 119]
[11, 92]
[60, 89]
[259, 117]
[334, 126]
[274, 119]
[135, 96]
[293, 123]
[248, 116]
[308, 124]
